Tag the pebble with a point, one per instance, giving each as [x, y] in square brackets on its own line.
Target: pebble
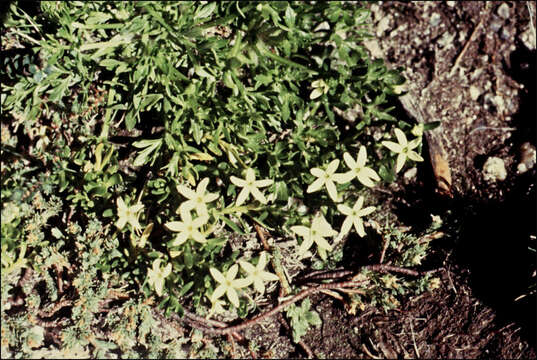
[451, 3]
[527, 157]
[528, 38]
[435, 19]
[496, 23]
[494, 169]
[503, 11]
[474, 92]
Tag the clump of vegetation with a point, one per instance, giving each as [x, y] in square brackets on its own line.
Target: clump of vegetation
[142, 143]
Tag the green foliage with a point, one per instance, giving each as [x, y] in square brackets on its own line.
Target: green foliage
[142, 140]
[301, 318]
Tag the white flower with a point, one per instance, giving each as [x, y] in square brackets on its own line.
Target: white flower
[319, 229]
[354, 217]
[157, 276]
[228, 284]
[326, 178]
[257, 274]
[188, 228]
[403, 148]
[358, 169]
[250, 186]
[128, 214]
[197, 199]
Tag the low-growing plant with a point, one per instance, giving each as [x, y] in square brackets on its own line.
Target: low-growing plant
[170, 128]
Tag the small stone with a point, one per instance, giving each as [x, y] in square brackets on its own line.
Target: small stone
[494, 170]
[451, 3]
[383, 25]
[435, 19]
[496, 23]
[527, 157]
[528, 38]
[410, 175]
[503, 11]
[474, 92]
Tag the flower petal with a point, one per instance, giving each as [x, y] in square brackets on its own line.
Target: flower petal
[306, 244]
[175, 226]
[344, 177]
[232, 296]
[395, 147]
[344, 209]
[362, 156]
[202, 186]
[263, 183]
[121, 204]
[250, 175]
[412, 155]
[197, 236]
[243, 195]
[239, 182]
[180, 239]
[268, 276]
[301, 230]
[218, 276]
[121, 222]
[240, 283]
[346, 227]
[186, 192]
[371, 173]
[317, 172]
[323, 244]
[364, 179]
[232, 272]
[368, 210]
[359, 225]
[351, 164]
[316, 185]
[218, 292]
[401, 138]
[246, 266]
[401, 158]
[331, 188]
[332, 167]
[137, 207]
[258, 195]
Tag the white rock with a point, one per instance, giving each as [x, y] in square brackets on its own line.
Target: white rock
[503, 11]
[494, 169]
[474, 92]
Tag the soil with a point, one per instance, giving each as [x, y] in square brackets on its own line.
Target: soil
[471, 66]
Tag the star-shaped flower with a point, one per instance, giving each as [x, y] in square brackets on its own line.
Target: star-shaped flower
[157, 275]
[354, 217]
[228, 284]
[358, 170]
[250, 186]
[128, 214]
[257, 274]
[403, 148]
[326, 178]
[197, 199]
[188, 228]
[320, 228]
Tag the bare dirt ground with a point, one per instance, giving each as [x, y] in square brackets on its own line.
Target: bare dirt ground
[471, 66]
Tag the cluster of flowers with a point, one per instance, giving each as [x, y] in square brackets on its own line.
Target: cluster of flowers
[197, 200]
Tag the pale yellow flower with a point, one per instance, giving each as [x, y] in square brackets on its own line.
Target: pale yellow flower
[327, 178]
[257, 274]
[197, 199]
[316, 233]
[188, 228]
[250, 186]
[403, 148]
[128, 214]
[228, 284]
[157, 276]
[354, 217]
[358, 170]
